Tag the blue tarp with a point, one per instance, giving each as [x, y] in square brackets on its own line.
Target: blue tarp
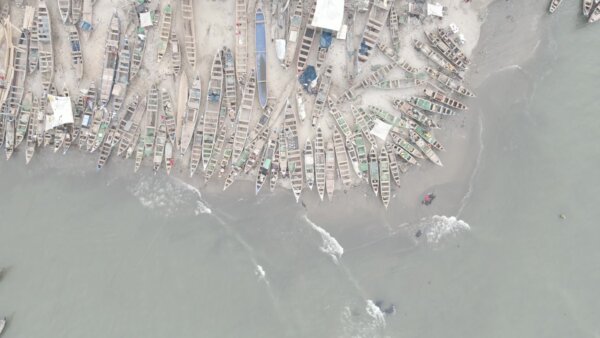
[326, 39]
[364, 49]
[307, 77]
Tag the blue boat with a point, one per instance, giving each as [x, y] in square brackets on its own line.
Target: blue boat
[261, 56]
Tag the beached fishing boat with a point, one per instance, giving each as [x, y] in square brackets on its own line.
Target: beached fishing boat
[594, 13]
[444, 99]
[169, 157]
[410, 111]
[107, 146]
[282, 153]
[99, 114]
[129, 125]
[119, 90]
[275, 167]
[341, 157]
[362, 155]
[329, 169]
[369, 81]
[87, 117]
[434, 56]
[102, 129]
[40, 122]
[212, 165]
[456, 57]
[400, 141]
[152, 120]
[64, 8]
[230, 98]
[137, 54]
[241, 40]
[139, 153]
[309, 164]
[362, 123]
[307, 41]
[111, 57]
[2, 324]
[405, 155]
[293, 33]
[320, 163]
[398, 84]
[167, 114]
[353, 156]
[395, 57]
[9, 136]
[322, 95]
[24, 118]
[227, 151]
[261, 56]
[181, 107]
[194, 98]
[267, 160]
[375, 22]
[445, 36]
[384, 177]
[166, 20]
[587, 7]
[429, 138]
[339, 118]
[175, 55]
[31, 138]
[76, 10]
[213, 108]
[294, 156]
[189, 31]
[159, 146]
[449, 82]
[394, 27]
[76, 55]
[2, 129]
[424, 147]
[430, 106]
[374, 171]
[196, 152]
[244, 115]
[34, 51]
[45, 50]
[255, 150]
[394, 167]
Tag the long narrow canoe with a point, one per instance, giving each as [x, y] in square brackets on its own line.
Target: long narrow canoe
[261, 57]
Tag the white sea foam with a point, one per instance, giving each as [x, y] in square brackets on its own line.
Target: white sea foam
[437, 228]
[358, 324]
[329, 245]
[375, 312]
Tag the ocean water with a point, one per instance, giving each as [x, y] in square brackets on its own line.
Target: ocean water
[113, 254]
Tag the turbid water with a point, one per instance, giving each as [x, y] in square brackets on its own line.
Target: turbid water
[113, 254]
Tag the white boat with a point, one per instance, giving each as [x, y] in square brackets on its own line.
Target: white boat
[309, 164]
[320, 163]
[190, 116]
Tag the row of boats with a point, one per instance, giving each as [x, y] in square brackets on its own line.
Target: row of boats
[590, 9]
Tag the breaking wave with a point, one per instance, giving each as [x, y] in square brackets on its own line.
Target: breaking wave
[368, 324]
[438, 228]
[329, 244]
[375, 312]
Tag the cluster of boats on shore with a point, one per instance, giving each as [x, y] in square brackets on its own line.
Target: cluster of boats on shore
[590, 9]
[219, 133]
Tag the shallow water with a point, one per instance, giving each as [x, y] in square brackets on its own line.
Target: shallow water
[113, 254]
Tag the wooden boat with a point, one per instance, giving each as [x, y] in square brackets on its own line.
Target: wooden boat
[48, 134]
[339, 118]
[266, 160]
[261, 56]
[159, 147]
[387, 117]
[31, 138]
[293, 33]
[342, 158]
[353, 156]
[241, 39]
[212, 164]
[309, 164]
[396, 149]
[238, 166]
[129, 125]
[213, 107]
[456, 57]
[394, 27]
[190, 116]
[99, 114]
[189, 31]
[164, 30]
[136, 143]
[40, 125]
[175, 54]
[196, 152]
[308, 37]
[384, 177]
[255, 150]
[227, 151]
[24, 119]
[434, 56]
[449, 82]
[137, 55]
[375, 22]
[169, 158]
[320, 163]
[244, 115]
[398, 84]
[181, 107]
[322, 95]
[430, 106]
[167, 115]
[64, 8]
[587, 7]
[362, 155]
[594, 13]
[424, 147]
[428, 137]
[370, 80]
[46, 54]
[230, 98]
[87, 117]
[361, 121]
[410, 111]
[330, 169]
[9, 136]
[111, 56]
[76, 10]
[394, 56]
[442, 98]
[34, 51]
[139, 153]
[2, 324]
[454, 49]
[394, 167]
[374, 171]
[76, 55]
[275, 167]
[406, 145]
[294, 160]
[102, 130]
[119, 90]
[2, 129]
[107, 146]
[19, 73]
[283, 155]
